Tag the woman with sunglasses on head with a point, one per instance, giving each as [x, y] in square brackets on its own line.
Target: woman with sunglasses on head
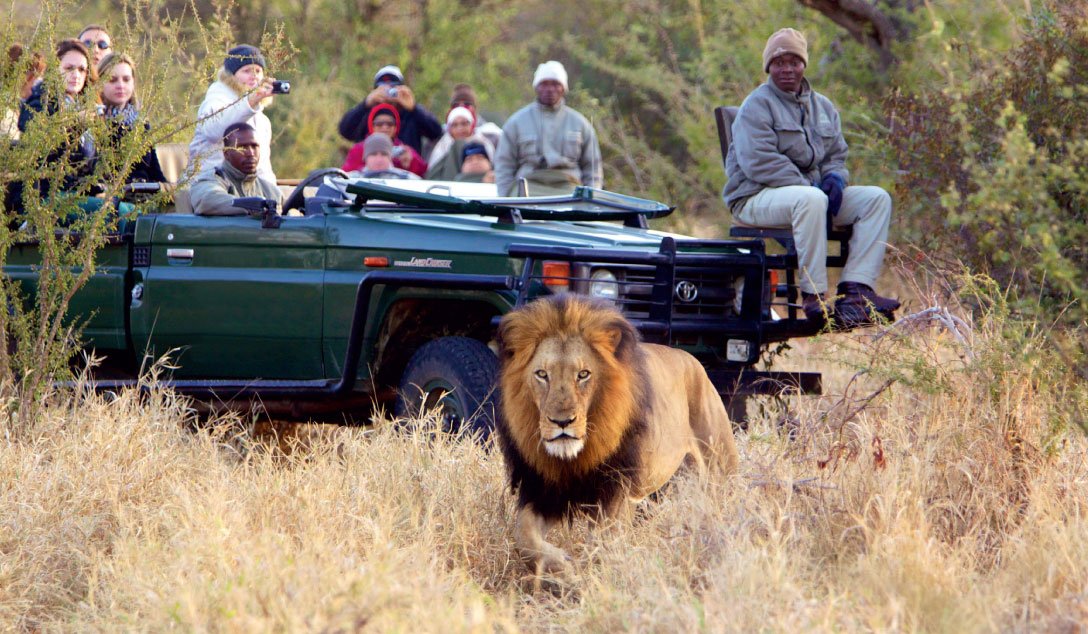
[98, 42]
[121, 108]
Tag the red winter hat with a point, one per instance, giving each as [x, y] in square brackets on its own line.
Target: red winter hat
[377, 110]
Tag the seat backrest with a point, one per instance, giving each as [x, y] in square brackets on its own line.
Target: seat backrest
[182, 203]
[173, 159]
[724, 116]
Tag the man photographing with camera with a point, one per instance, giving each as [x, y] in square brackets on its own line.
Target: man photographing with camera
[416, 122]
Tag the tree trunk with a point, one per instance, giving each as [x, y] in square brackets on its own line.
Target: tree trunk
[864, 22]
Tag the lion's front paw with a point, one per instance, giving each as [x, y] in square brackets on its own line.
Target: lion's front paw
[556, 563]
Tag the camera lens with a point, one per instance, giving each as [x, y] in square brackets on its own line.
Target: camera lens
[281, 87]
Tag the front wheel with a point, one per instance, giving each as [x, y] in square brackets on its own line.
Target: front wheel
[455, 379]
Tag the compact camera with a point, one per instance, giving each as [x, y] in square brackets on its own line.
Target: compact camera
[392, 92]
[280, 87]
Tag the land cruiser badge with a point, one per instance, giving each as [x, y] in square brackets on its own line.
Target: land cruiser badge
[425, 263]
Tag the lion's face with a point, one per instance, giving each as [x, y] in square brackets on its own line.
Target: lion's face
[562, 378]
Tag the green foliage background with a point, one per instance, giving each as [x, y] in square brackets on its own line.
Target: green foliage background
[978, 129]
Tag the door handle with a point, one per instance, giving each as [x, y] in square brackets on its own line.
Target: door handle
[179, 254]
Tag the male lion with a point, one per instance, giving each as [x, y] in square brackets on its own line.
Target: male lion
[592, 418]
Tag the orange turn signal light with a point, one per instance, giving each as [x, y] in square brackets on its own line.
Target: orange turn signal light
[376, 261]
[774, 280]
[557, 275]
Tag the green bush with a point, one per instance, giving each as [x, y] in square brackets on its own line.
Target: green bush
[997, 175]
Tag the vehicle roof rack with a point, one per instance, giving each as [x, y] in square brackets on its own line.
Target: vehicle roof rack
[585, 203]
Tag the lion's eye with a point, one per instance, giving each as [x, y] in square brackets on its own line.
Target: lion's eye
[583, 375]
[541, 374]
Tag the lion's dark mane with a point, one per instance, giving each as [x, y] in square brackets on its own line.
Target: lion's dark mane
[602, 487]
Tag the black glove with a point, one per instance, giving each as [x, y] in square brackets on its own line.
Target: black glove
[832, 185]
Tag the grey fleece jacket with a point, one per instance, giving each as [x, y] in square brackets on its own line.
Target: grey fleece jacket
[540, 137]
[782, 139]
[214, 191]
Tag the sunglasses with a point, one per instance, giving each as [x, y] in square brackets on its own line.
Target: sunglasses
[102, 44]
[464, 104]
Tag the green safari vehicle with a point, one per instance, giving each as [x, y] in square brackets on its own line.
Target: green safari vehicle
[389, 292]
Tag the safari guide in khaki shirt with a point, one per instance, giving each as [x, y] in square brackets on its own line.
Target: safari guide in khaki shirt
[548, 143]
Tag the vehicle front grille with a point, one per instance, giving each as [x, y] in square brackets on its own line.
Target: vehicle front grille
[715, 292]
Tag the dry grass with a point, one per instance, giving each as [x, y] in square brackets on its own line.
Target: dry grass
[954, 509]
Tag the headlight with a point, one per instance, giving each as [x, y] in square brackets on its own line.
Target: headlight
[603, 284]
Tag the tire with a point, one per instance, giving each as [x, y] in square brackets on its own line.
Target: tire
[456, 374]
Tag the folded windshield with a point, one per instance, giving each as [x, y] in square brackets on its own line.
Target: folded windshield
[585, 203]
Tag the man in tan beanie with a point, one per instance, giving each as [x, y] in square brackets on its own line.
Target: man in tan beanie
[787, 168]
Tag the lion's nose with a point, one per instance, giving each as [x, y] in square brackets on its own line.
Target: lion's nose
[561, 423]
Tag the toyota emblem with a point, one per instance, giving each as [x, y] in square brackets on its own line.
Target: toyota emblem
[687, 291]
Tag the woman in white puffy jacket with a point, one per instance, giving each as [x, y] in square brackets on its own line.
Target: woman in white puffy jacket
[240, 96]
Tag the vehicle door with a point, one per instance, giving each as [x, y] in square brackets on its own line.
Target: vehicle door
[232, 299]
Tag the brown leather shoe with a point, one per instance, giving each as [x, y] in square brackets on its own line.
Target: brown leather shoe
[814, 306]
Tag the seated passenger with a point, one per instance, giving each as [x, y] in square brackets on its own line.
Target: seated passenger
[787, 168]
[415, 121]
[378, 159]
[445, 163]
[97, 41]
[78, 79]
[241, 95]
[384, 119]
[122, 109]
[25, 72]
[475, 165]
[214, 191]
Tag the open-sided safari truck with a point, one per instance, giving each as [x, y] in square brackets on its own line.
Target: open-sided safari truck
[389, 292]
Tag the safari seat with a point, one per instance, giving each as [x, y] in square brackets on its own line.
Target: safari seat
[724, 117]
[182, 203]
[173, 159]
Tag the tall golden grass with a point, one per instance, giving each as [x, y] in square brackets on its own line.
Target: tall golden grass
[949, 502]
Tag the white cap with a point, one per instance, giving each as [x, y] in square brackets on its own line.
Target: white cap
[551, 69]
[388, 70]
[460, 112]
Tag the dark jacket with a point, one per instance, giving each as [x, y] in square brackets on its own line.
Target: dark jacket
[147, 170]
[80, 151]
[414, 125]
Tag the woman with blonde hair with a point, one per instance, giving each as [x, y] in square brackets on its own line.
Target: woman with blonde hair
[121, 108]
[240, 95]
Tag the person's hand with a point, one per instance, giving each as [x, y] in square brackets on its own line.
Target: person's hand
[403, 158]
[833, 185]
[377, 96]
[261, 92]
[405, 98]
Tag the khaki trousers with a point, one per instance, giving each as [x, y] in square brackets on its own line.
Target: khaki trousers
[804, 208]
